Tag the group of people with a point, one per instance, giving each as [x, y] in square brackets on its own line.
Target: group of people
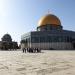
[31, 50]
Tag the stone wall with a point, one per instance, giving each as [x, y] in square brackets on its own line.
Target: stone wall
[56, 45]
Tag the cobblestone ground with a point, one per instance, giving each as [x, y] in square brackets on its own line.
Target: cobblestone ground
[44, 63]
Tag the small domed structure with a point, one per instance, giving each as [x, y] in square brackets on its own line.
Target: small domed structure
[49, 19]
[7, 43]
[7, 38]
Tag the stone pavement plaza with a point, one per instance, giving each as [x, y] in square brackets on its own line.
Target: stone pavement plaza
[44, 63]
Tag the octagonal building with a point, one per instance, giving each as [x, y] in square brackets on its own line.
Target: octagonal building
[49, 35]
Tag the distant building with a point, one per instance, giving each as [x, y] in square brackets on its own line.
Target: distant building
[7, 43]
[49, 35]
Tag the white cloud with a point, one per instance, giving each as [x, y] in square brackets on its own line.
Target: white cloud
[3, 7]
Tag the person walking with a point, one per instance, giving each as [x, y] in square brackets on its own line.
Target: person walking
[23, 50]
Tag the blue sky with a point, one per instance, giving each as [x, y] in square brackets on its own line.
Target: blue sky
[21, 16]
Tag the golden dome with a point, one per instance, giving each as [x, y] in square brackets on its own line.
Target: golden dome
[49, 19]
